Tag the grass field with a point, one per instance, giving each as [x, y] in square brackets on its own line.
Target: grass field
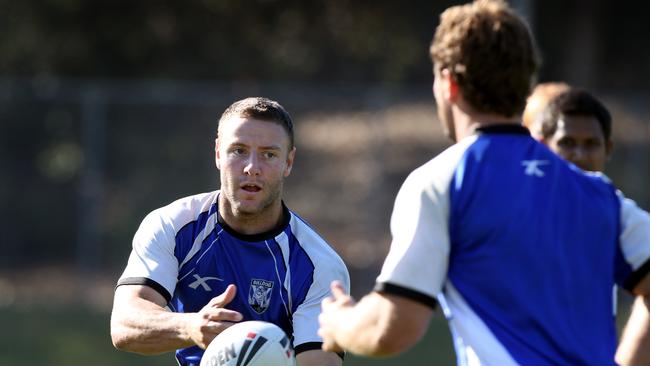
[60, 336]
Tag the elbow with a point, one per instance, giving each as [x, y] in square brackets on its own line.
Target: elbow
[128, 344]
[123, 340]
[119, 341]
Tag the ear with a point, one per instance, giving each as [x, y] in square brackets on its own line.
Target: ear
[217, 157]
[609, 149]
[449, 85]
[290, 157]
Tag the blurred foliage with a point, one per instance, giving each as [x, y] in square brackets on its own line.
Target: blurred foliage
[217, 39]
[290, 40]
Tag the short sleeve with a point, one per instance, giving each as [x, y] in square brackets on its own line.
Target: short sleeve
[416, 264]
[305, 318]
[634, 241]
[152, 261]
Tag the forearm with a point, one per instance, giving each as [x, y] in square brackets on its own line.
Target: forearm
[378, 326]
[634, 348]
[146, 328]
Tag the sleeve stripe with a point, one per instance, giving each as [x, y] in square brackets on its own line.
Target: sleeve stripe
[635, 277]
[146, 282]
[391, 289]
[310, 346]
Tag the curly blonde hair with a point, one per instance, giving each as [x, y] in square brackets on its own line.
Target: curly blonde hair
[488, 49]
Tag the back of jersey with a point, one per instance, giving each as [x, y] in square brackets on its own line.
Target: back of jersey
[533, 251]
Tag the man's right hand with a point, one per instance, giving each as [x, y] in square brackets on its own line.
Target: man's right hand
[213, 318]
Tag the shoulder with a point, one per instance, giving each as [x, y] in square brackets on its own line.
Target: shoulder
[321, 254]
[182, 211]
[433, 177]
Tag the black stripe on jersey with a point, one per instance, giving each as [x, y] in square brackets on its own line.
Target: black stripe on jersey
[635, 277]
[500, 128]
[391, 289]
[146, 282]
[253, 238]
[309, 346]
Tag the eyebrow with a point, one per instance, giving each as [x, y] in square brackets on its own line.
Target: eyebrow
[267, 147]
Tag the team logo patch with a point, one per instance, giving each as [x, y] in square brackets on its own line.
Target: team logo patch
[259, 295]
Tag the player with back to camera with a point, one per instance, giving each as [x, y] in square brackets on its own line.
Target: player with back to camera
[204, 262]
[525, 247]
[577, 126]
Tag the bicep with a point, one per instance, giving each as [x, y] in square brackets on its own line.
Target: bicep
[136, 296]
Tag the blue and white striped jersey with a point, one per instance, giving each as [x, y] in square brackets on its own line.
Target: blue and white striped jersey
[525, 247]
[186, 253]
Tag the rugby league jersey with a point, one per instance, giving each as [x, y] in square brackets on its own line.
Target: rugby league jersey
[525, 247]
[186, 253]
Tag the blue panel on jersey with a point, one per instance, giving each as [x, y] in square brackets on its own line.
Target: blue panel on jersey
[187, 234]
[256, 268]
[506, 187]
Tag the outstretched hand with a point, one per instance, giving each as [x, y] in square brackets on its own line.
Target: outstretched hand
[213, 318]
[331, 317]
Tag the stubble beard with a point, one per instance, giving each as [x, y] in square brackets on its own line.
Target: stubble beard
[246, 212]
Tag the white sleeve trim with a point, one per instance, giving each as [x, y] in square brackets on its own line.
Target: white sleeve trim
[635, 233]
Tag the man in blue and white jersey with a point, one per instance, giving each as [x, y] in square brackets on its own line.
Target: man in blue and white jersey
[204, 262]
[525, 247]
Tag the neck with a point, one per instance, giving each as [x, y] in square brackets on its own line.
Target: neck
[466, 122]
[245, 223]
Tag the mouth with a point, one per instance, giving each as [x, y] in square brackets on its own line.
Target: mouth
[251, 187]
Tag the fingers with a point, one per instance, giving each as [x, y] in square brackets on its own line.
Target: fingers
[332, 347]
[224, 298]
[337, 289]
[220, 314]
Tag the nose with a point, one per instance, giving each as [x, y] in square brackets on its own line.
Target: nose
[252, 166]
[581, 157]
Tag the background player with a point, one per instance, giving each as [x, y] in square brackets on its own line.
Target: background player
[229, 255]
[537, 101]
[577, 126]
[490, 219]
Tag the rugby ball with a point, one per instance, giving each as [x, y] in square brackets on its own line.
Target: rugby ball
[250, 343]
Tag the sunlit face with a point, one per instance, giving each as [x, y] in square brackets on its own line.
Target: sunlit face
[580, 140]
[253, 158]
[443, 107]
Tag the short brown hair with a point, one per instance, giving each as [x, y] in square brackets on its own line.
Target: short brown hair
[489, 51]
[263, 109]
[542, 94]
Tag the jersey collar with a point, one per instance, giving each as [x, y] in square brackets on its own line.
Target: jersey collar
[504, 128]
[270, 234]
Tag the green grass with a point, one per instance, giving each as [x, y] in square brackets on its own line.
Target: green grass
[57, 336]
[60, 336]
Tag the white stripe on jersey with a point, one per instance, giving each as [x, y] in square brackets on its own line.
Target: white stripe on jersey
[477, 344]
[283, 242]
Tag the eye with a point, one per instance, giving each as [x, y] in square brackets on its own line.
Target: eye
[566, 143]
[269, 155]
[237, 151]
[595, 143]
